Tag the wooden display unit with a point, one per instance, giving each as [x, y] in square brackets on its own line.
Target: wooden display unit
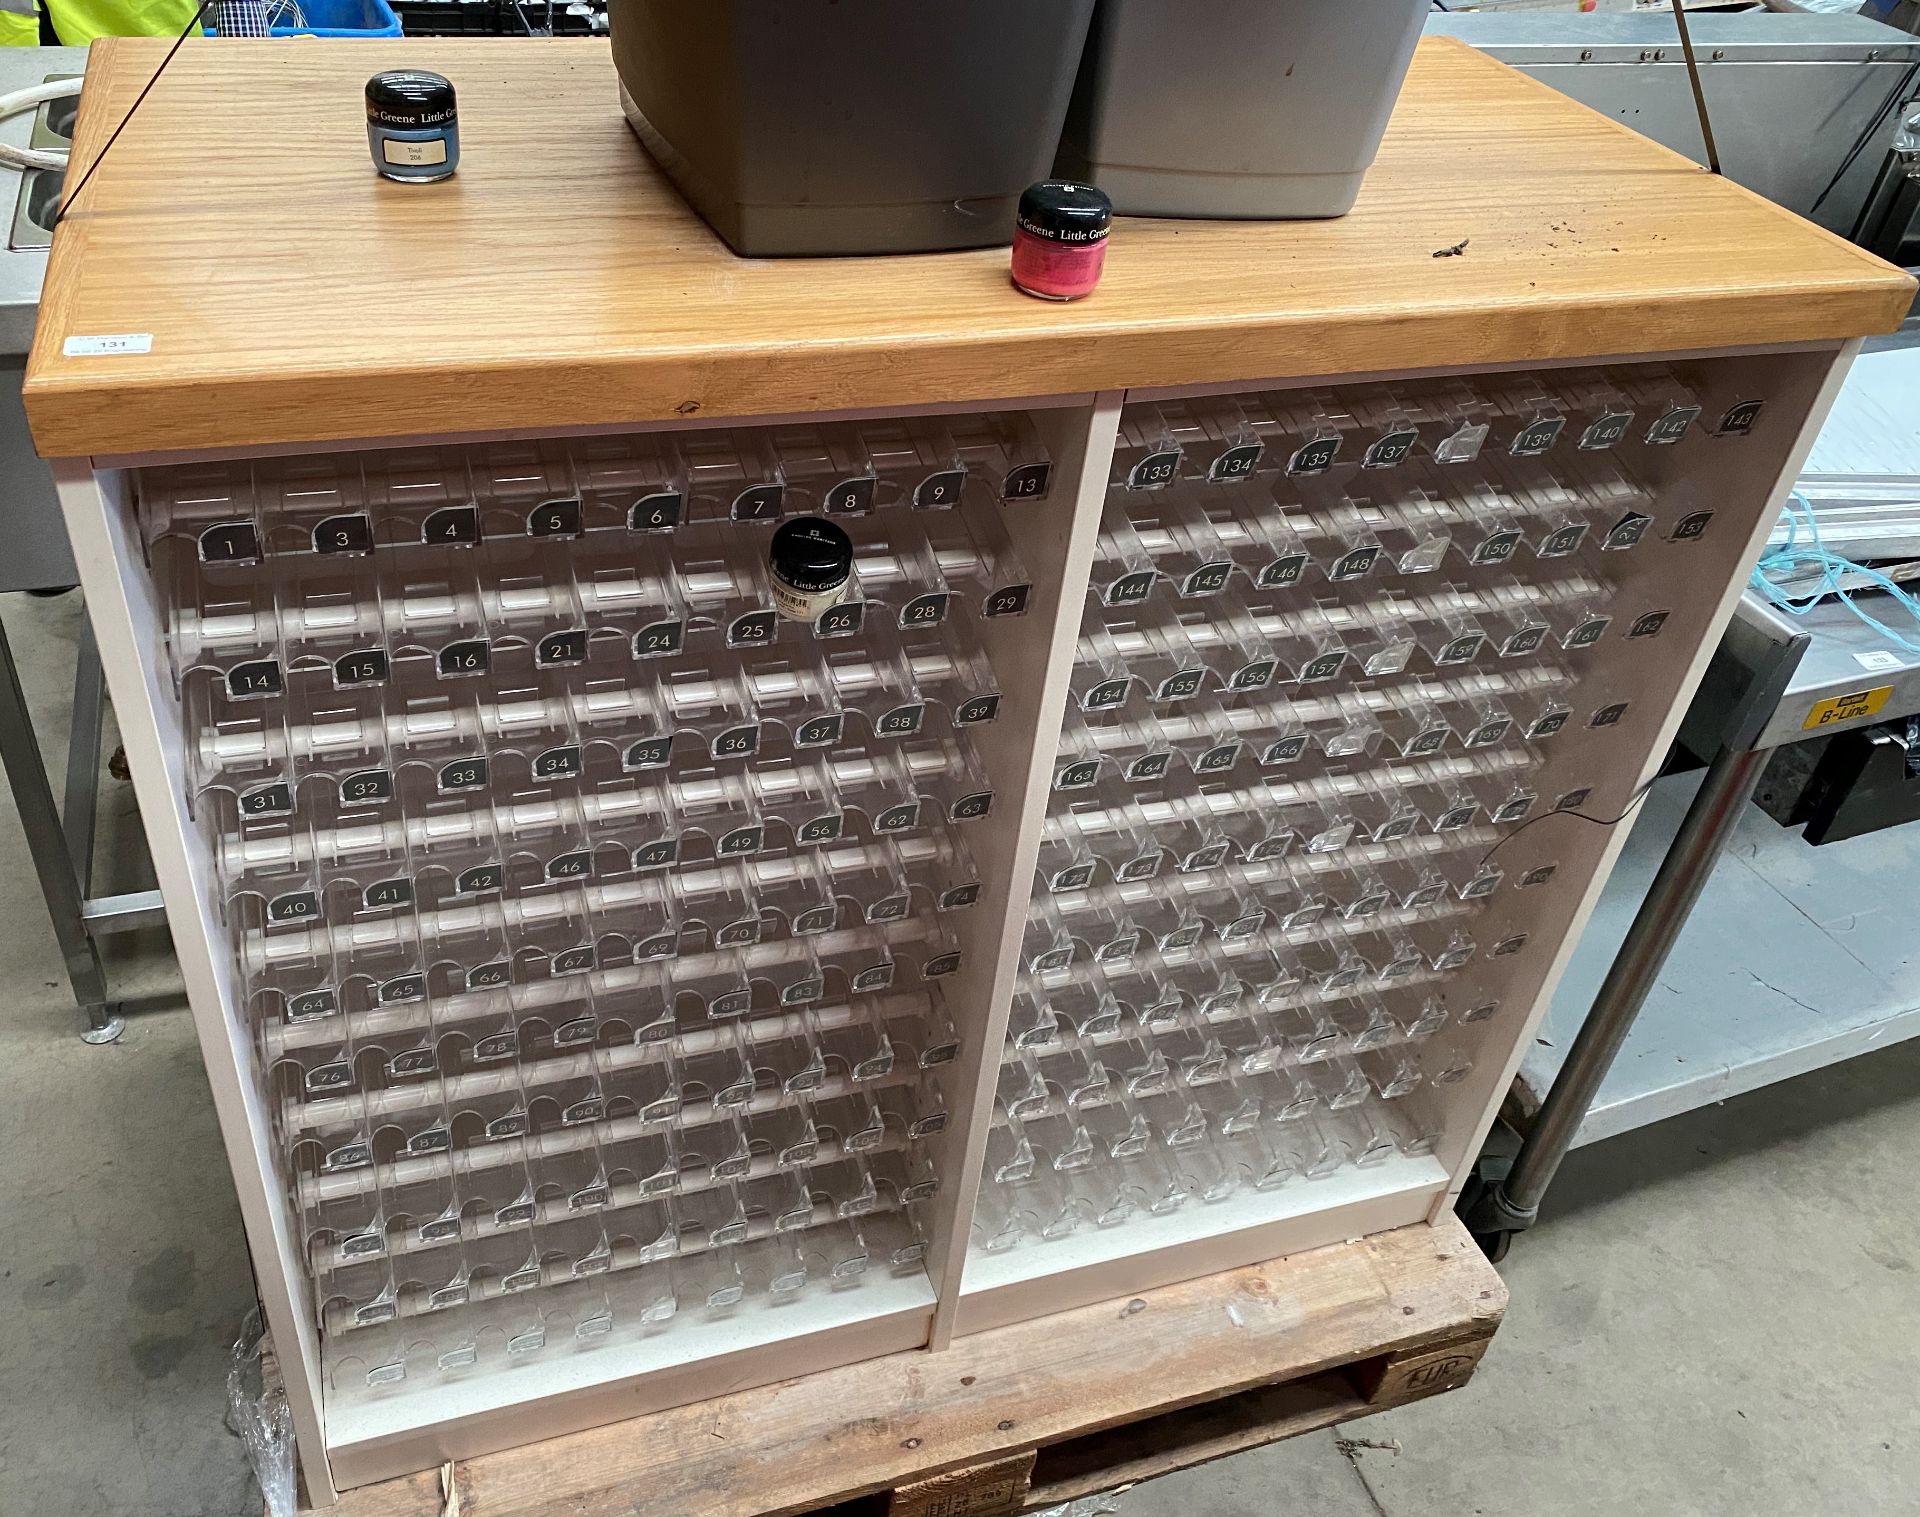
[1642, 351]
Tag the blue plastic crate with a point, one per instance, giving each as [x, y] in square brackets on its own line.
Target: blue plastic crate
[340, 18]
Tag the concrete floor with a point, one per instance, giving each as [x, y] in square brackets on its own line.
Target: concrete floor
[1717, 1316]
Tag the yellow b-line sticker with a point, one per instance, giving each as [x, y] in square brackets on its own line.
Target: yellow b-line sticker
[1847, 708]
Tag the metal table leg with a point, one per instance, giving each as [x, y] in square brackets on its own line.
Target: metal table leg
[47, 843]
[1512, 1205]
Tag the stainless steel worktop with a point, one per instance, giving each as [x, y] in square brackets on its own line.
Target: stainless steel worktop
[21, 270]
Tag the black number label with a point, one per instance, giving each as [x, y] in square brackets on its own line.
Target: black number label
[969, 807]
[819, 919]
[568, 647]
[1539, 875]
[1395, 827]
[1496, 548]
[740, 842]
[1027, 482]
[1106, 695]
[736, 742]
[312, 1003]
[648, 753]
[1604, 431]
[960, 897]
[1238, 462]
[1427, 740]
[1285, 750]
[1155, 470]
[661, 946]
[1390, 449]
[1453, 819]
[394, 892]
[489, 976]
[343, 534]
[1510, 945]
[1649, 624]
[463, 774]
[1356, 563]
[944, 964]
[658, 512]
[1077, 776]
[563, 763]
[367, 667]
[874, 977]
[1514, 810]
[1609, 716]
[1671, 425]
[455, 526]
[499, 1045]
[251, 681]
[1537, 436]
[1324, 666]
[1075, 877]
[459, 659]
[1181, 686]
[230, 542]
[758, 503]
[1690, 527]
[661, 855]
[1218, 759]
[573, 961]
[1588, 632]
[658, 639]
[851, 497]
[975, 711]
[1526, 640]
[1573, 799]
[1461, 650]
[1130, 589]
[1283, 571]
[576, 865]
[555, 518]
[1143, 868]
[1626, 532]
[1563, 540]
[295, 906]
[1270, 847]
[925, 610]
[479, 880]
[898, 818]
[1149, 766]
[1208, 579]
[1210, 857]
[819, 731]
[938, 491]
[1489, 733]
[268, 800]
[822, 829]
[901, 721]
[1740, 418]
[1316, 457]
[843, 620]
[1008, 600]
[753, 629]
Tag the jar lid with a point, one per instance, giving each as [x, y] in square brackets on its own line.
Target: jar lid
[1062, 211]
[409, 97]
[811, 554]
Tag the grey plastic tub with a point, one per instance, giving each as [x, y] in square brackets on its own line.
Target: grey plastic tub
[1237, 108]
[850, 126]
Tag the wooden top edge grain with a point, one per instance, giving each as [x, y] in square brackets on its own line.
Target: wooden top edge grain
[846, 1431]
[559, 282]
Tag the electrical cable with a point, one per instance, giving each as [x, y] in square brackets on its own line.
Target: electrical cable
[16, 101]
[1599, 821]
[66, 203]
[1699, 94]
[1902, 87]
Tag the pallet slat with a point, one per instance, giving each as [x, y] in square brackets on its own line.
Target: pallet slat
[1032, 1414]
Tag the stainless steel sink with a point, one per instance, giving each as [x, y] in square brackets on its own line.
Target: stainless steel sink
[40, 189]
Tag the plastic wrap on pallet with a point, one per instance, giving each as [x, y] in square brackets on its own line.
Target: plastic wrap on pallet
[257, 1414]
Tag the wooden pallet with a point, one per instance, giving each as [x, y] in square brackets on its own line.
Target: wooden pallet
[1027, 1416]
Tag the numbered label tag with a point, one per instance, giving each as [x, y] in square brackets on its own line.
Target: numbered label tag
[1107, 695]
[1254, 676]
[815, 920]
[1208, 579]
[351, 533]
[1074, 877]
[1496, 548]
[1008, 600]
[1315, 457]
[843, 620]
[1489, 732]
[1585, 633]
[976, 710]
[1548, 722]
[1280, 573]
[368, 666]
[960, 897]
[1355, 563]
[1273, 846]
[1130, 589]
[658, 512]
[1423, 897]
[1395, 827]
[1691, 527]
[937, 968]
[901, 721]
[402, 988]
[1210, 857]
[1217, 759]
[574, 865]
[460, 660]
[938, 492]
[489, 976]
[294, 906]
[479, 880]
[1508, 946]
[230, 542]
[555, 518]
[1456, 817]
[463, 774]
[561, 763]
[1323, 666]
[267, 800]
[256, 680]
[1604, 431]
[659, 639]
[1460, 650]
[851, 497]
[648, 753]
[736, 742]
[1573, 800]
[381, 893]
[873, 977]
[898, 818]
[754, 629]
[1562, 541]
[970, 807]
[1648, 624]
[1143, 868]
[499, 1045]
[1155, 470]
[1609, 716]
[1626, 532]
[820, 829]
[925, 610]
[663, 854]
[740, 842]
[451, 527]
[1527, 640]
[1671, 425]
[312, 1003]
[1740, 418]
[1539, 875]
[758, 503]
[1180, 686]
[738, 934]
[1390, 449]
[1237, 462]
[1027, 482]
[1427, 741]
[1515, 808]
[1079, 775]
[819, 731]
[556, 648]
[1537, 436]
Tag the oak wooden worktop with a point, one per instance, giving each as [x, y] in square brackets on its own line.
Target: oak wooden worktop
[558, 280]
